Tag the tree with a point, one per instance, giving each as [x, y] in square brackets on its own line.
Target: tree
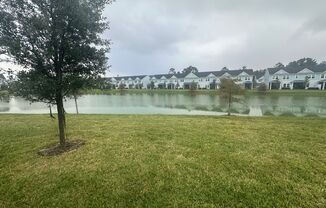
[306, 82]
[193, 86]
[59, 44]
[303, 63]
[152, 85]
[227, 90]
[279, 65]
[262, 88]
[190, 69]
[225, 69]
[244, 67]
[172, 71]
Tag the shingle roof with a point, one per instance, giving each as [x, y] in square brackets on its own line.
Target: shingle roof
[199, 74]
[129, 77]
[259, 74]
[296, 69]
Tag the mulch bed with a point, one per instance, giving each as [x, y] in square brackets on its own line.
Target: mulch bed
[56, 149]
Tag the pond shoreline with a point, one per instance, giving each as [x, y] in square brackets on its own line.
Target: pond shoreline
[178, 104]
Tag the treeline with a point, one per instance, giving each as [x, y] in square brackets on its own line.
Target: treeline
[301, 63]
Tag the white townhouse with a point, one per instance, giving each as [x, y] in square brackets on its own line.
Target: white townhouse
[2, 80]
[129, 82]
[202, 80]
[296, 78]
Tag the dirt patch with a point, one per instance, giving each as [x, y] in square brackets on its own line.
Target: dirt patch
[56, 149]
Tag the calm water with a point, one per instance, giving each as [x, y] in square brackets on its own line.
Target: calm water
[177, 104]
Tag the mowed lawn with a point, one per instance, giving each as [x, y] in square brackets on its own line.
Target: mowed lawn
[165, 161]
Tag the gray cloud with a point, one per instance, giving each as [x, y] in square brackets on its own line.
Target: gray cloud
[150, 36]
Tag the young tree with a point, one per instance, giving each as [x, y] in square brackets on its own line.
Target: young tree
[306, 82]
[193, 86]
[58, 42]
[262, 88]
[227, 90]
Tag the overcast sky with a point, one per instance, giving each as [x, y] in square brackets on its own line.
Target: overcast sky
[151, 36]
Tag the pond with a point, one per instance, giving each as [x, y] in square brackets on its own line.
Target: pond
[178, 104]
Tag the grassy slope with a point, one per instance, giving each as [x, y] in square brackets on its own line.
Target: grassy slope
[165, 161]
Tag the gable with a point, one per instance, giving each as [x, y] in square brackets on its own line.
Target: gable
[191, 75]
[243, 74]
[305, 71]
[226, 75]
[173, 77]
[281, 71]
[211, 75]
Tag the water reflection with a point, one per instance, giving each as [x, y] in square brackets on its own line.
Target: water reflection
[168, 103]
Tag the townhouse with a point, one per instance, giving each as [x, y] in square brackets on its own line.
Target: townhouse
[2, 80]
[296, 78]
[199, 80]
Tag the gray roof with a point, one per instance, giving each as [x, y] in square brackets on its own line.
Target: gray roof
[259, 74]
[293, 70]
[128, 77]
[183, 75]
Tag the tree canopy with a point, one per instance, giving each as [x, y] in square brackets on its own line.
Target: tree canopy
[59, 44]
[227, 91]
[172, 71]
[190, 69]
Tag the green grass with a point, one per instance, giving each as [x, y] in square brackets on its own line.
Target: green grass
[165, 161]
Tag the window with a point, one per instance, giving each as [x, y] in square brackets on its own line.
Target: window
[313, 76]
[296, 76]
[322, 76]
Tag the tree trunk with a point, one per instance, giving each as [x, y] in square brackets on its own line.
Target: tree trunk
[229, 109]
[51, 114]
[76, 104]
[61, 120]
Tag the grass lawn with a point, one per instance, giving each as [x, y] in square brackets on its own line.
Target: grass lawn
[165, 161]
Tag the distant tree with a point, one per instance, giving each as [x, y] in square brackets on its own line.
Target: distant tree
[122, 86]
[279, 65]
[193, 86]
[213, 85]
[172, 71]
[152, 85]
[244, 67]
[190, 69]
[227, 90]
[303, 63]
[262, 88]
[306, 82]
[58, 42]
[225, 69]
